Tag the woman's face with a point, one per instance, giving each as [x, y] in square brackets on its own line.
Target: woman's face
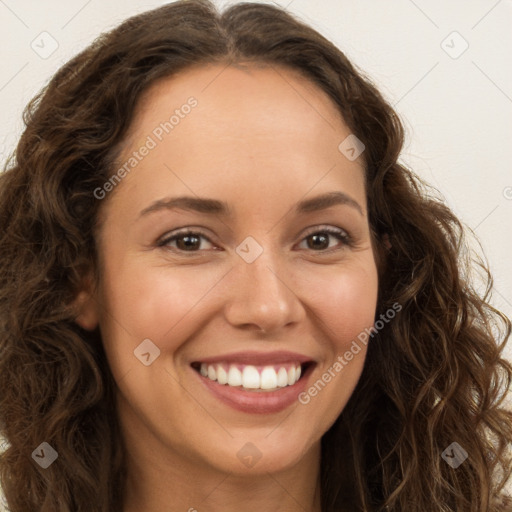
[266, 282]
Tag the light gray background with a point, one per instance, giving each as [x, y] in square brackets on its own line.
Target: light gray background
[456, 105]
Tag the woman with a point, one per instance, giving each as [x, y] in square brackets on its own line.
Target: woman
[173, 337]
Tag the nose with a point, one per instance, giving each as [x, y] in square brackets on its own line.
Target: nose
[260, 296]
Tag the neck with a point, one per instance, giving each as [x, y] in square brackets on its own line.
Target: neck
[222, 493]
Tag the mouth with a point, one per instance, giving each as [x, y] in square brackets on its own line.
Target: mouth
[253, 378]
[255, 383]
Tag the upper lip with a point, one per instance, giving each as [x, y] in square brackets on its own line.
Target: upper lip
[257, 358]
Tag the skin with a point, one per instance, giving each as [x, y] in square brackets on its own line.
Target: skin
[261, 139]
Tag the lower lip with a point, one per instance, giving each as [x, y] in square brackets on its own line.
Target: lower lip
[256, 402]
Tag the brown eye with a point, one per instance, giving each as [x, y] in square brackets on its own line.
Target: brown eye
[318, 241]
[186, 241]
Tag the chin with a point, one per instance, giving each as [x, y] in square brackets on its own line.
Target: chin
[262, 452]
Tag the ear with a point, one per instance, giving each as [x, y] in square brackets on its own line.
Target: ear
[86, 307]
[381, 252]
[385, 241]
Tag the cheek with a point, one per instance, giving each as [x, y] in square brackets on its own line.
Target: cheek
[156, 302]
[346, 309]
[167, 305]
[345, 301]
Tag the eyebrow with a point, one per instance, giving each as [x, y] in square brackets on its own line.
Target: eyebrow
[216, 207]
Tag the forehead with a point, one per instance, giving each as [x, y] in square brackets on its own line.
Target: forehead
[252, 129]
[238, 100]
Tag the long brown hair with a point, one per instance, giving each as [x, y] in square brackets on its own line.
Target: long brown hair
[433, 376]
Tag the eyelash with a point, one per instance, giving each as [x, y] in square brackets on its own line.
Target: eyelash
[340, 234]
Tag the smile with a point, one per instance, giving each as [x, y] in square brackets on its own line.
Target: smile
[250, 377]
[255, 383]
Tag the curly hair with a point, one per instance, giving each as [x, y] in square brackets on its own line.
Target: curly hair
[433, 376]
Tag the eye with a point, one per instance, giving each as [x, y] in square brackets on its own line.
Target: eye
[186, 241]
[190, 241]
[319, 239]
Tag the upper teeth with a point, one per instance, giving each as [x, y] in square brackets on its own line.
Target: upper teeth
[252, 377]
